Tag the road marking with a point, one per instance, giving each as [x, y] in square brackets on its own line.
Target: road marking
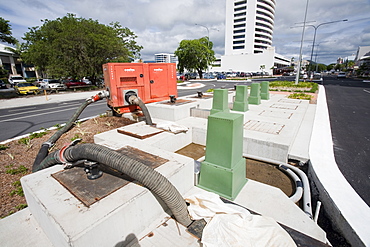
[47, 109]
[22, 109]
[25, 111]
[366, 91]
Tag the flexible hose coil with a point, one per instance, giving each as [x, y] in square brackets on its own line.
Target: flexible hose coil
[147, 176]
[43, 152]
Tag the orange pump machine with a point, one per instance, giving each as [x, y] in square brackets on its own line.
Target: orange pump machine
[151, 82]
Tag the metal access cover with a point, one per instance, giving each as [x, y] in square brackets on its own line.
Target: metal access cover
[205, 96]
[178, 102]
[284, 115]
[91, 191]
[285, 106]
[266, 127]
[140, 131]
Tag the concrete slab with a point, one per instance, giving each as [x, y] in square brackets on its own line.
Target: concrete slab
[131, 209]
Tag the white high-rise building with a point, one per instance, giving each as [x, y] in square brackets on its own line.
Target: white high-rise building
[165, 58]
[248, 37]
[249, 26]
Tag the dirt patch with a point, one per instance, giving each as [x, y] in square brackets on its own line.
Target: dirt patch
[256, 170]
[17, 159]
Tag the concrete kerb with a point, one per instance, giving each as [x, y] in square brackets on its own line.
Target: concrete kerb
[349, 213]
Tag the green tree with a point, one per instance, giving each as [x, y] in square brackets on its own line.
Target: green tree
[195, 55]
[331, 66]
[77, 47]
[6, 32]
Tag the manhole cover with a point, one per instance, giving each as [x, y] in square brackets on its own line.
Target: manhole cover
[265, 127]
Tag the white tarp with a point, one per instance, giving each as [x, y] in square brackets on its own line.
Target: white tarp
[173, 127]
[231, 225]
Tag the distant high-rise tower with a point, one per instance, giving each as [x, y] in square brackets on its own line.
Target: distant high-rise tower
[249, 26]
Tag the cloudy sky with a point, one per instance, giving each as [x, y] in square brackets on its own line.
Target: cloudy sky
[161, 24]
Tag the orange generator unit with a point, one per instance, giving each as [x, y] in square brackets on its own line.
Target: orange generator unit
[151, 82]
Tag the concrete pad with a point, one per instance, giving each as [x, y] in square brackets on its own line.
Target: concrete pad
[171, 112]
[131, 209]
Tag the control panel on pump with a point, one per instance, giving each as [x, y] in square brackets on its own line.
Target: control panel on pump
[151, 82]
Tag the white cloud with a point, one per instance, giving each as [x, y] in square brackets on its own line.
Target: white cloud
[161, 24]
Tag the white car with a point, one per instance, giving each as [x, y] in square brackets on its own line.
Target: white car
[15, 79]
[51, 84]
[341, 75]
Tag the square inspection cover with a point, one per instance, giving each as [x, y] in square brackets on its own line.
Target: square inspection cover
[283, 115]
[265, 127]
[284, 106]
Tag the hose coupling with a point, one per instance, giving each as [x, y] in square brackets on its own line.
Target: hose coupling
[133, 100]
[61, 156]
[99, 96]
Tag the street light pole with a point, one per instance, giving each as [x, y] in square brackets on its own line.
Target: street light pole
[300, 51]
[316, 27]
[207, 39]
[207, 33]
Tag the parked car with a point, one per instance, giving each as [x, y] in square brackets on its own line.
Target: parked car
[208, 76]
[341, 75]
[74, 83]
[3, 85]
[26, 88]
[220, 76]
[190, 76]
[14, 79]
[86, 80]
[317, 77]
[51, 84]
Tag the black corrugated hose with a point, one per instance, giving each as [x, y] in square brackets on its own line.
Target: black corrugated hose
[135, 100]
[44, 150]
[147, 176]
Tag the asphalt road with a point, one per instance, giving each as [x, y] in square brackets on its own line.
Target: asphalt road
[23, 120]
[349, 110]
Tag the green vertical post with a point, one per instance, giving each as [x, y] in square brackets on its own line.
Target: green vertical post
[220, 101]
[241, 98]
[224, 170]
[255, 95]
[265, 90]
